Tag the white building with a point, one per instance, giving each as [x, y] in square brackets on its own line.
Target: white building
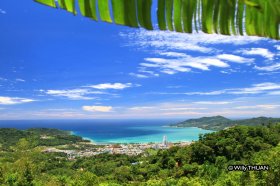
[164, 141]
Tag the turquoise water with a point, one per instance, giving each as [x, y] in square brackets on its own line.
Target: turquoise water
[173, 135]
[115, 131]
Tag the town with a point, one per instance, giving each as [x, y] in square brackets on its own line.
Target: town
[91, 149]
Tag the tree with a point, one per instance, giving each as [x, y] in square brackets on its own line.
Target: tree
[201, 153]
[123, 174]
[27, 177]
[1, 176]
[255, 17]
[11, 179]
[86, 179]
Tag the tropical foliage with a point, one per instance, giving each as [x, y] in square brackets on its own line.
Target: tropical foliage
[203, 163]
[228, 17]
[37, 137]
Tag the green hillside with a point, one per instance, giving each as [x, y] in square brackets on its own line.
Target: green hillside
[204, 162]
[220, 122]
[38, 137]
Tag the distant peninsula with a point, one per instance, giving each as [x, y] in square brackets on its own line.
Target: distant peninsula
[219, 122]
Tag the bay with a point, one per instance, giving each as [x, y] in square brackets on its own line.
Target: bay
[115, 131]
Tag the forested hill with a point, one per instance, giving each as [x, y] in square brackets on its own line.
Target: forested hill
[220, 122]
[38, 137]
[208, 161]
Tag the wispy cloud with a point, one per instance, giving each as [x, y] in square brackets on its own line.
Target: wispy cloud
[267, 107]
[256, 88]
[143, 73]
[269, 68]
[20, 80]
[235, 58]
[165, 109]
[3, 79]
[274, 93]
[238, 107]
[138, 75]
[213, 102]
[88, 92]
[97, 108]
[116, 86]
[141, 108]
[73, 94]
[175, 86]
[183, 109]
[2, 11]
[14, 100]
[260, 88]
[258, 51]
[210, 93]
[178, 51]
[172, 54]
[183, 64]
[183, 41]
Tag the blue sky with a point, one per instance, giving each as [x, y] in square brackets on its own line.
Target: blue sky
[54, 65]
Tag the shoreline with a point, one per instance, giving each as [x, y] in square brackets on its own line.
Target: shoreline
[134, 140]
[84, 138]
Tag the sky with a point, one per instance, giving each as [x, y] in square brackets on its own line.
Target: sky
[54, 65]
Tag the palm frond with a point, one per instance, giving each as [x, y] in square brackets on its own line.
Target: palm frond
[228, 17]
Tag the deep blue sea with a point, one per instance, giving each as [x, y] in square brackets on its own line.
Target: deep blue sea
[115, 131]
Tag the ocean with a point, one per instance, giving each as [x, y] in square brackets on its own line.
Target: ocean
[115, 131]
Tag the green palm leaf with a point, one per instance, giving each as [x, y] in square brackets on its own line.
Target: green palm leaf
[228, 17]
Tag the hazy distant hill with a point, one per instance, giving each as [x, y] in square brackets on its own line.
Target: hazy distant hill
[220, 122]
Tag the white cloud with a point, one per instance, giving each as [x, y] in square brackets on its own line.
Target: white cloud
[157, 60]
[234, 108]
[172, 54]
[3, 79]
[138, 75]
[87, 92]
[268, 107]
[3, 11]
[256, 88]
[176, 51]
[258, 51]
[270, 68]
[213, 62]
[168, 71]
[213, 102]
[14, 100]
[260, 88]
[141, 108]
[175, 86]
[184, 41]
[183, 64]
[225, 72]
[277, 47]
[211, 93]
[20, 80]
[182, 109]
[276, 93]
[143, 73]
[97, 108]
[73, 94]
[235, 58]
[117, 86]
